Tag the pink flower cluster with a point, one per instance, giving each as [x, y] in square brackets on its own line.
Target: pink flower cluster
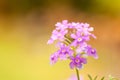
[72, 41]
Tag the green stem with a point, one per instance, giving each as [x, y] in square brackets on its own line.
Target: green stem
[68, 40]
[77, 72]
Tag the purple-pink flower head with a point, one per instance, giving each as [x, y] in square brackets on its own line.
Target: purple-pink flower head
[79, 38]
[84, 28]
[62, 26]
[57, 35]
[54, 58]
[81, 48]
[72, 38]
[64, 52]
[77, 62]
[91, 52]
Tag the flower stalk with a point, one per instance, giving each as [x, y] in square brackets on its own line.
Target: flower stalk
[77, 73]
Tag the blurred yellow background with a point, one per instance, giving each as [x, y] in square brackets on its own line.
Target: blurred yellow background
[26, 25]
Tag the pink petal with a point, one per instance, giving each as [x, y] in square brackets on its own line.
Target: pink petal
[73, 36]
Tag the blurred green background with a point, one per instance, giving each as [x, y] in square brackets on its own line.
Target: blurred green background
[26, 25]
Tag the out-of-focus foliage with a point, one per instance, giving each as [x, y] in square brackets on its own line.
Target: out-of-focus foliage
[85, 5]
[103, 78]
[99, 6]
[9, 6]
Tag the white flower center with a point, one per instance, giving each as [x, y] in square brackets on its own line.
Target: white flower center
[63, 50]
[79, 39]
[77, 60]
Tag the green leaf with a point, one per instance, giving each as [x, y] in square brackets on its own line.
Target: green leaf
[89, 77]
[95, 77]
[102, 78]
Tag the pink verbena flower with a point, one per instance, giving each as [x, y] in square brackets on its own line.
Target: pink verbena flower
[62, 26]
[72, 38]
[57, 35]
[79, 39]
[64, 52]
[91, 52]
[84, 28]
[77, 62]
[54, 58]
